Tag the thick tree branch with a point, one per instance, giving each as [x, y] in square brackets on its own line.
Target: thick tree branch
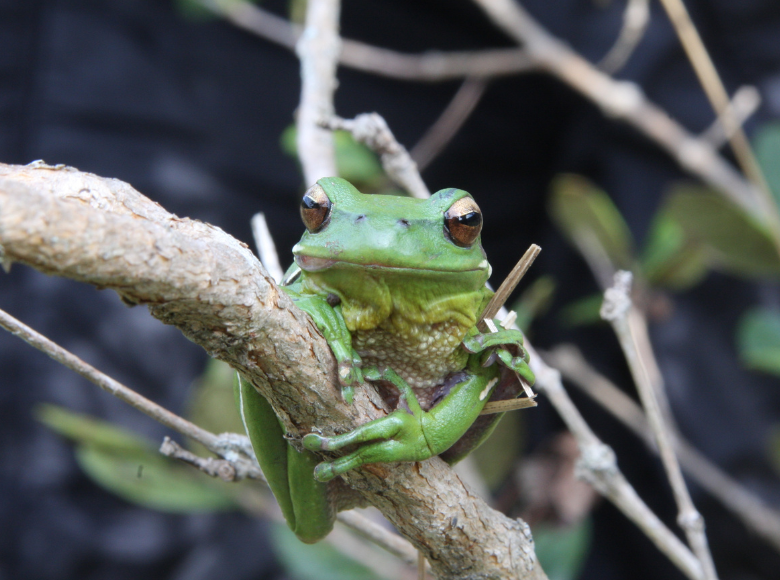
[210, 286]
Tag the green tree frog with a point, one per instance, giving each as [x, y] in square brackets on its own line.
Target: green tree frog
[396, 285]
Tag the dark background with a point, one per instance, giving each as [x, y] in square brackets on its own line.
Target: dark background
[190, 113]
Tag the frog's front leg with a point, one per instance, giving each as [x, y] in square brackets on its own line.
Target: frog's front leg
[330, 322]
[412, 435]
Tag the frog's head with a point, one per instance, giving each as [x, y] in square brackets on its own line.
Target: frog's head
[346, 228]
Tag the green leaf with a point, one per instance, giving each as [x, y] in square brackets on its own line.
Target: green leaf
[587, 216]
[132, 468]
[212, 404]
[670, 258]
[562, 551]
[758, 340]
[534, 301]
[495, 458]
[774, 447]
[767, 147]
[735, 241]
[586, 310]
[355, 162]
[319, 561]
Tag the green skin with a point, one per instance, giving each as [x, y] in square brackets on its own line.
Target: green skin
[391, 264]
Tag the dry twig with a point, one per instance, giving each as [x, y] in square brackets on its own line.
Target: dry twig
[757, 516]
[617, 309]
[372, 130]
[449, 122]
[598, 467]
[635, 20]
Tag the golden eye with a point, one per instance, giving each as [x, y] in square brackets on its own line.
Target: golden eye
[315, 208]
[463, 221]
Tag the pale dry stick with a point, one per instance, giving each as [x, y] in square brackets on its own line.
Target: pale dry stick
[318, 48]
[760, 518]
[372, 130]
[636, 17]
[617, 309]
[510, 283]
[266, 249]
[432, 66]
[743, 104]
[224, 446]
[449, 122]
[598, 466]
[625, 101]
[719, 99]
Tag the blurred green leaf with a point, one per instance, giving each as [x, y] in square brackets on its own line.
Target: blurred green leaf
[355, 162]
[132, 468]
[586, 310]
[534, 301]
[495, 458]
[767, 147]
[587, 216]
[297, 11]
[212, 404]
[319, 561]
[774, 447]
[670, 258]
[758, 340]
[562, 551]
[735, 241]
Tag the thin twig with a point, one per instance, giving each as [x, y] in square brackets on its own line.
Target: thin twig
[428, 67]
[745, 102]
[635, 20]
[449, 122]
[372, 130]
[318, 49]
[598, 466]
[625, 101]
[266, 248]
[719, 98]
[757, 516]
[214, 467]
[229, 446]
[510, 282]
[617, 309]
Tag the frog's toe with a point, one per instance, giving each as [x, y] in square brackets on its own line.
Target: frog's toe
[314, 442]
[324, 472]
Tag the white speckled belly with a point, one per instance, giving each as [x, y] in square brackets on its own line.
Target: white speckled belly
[423, 355]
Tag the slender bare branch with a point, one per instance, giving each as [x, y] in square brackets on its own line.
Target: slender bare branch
[449, 122]
[635, 20]
[266, 248]
[372, 130]
[428, 67]
[719, 98]
[762, 519]
[625, 101]
[745, 102]
[598, 467]
[617, 309]
[318, 49]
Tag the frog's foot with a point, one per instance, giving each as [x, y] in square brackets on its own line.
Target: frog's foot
[397, 437]
[505, 345]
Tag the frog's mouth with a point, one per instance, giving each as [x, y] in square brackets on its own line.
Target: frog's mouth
[313, 264]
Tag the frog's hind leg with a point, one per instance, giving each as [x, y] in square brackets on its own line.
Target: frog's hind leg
[289, 473]
[382, 428]
[379, 452]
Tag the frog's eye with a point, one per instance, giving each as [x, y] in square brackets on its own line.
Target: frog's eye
[463, 221]
[315, 208]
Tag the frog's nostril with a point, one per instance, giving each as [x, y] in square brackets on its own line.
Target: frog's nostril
[404, 222]
[360, 218]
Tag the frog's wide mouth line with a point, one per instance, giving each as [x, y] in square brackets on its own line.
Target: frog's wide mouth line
[313, 264]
